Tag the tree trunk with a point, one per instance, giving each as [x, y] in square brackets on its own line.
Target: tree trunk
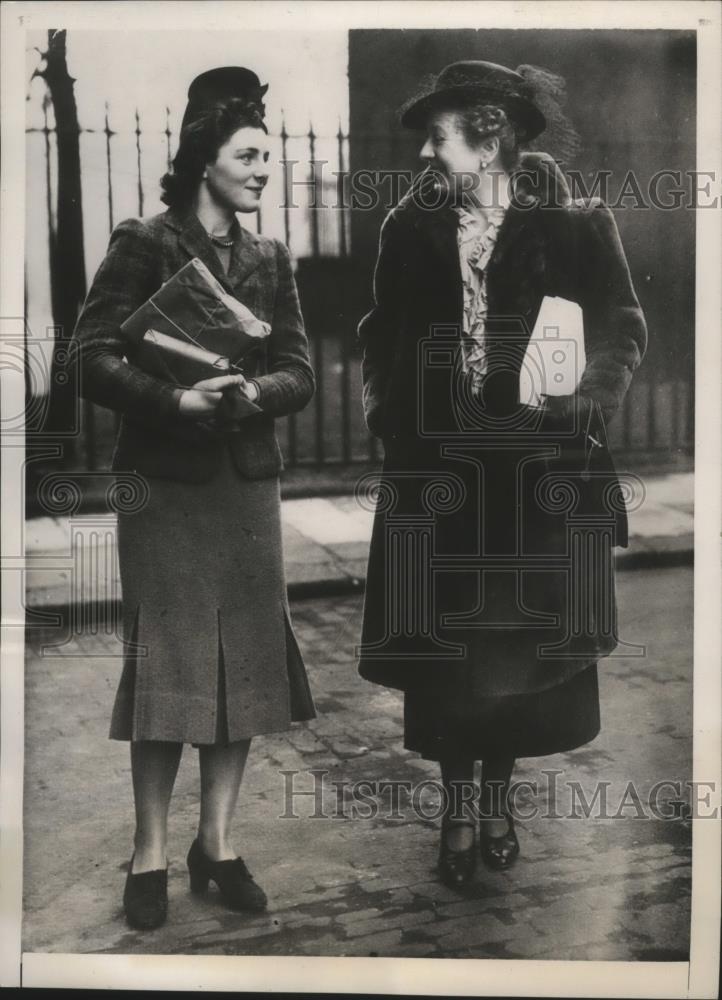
[67, 256]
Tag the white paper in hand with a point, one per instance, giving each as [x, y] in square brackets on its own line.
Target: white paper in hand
[555, 358]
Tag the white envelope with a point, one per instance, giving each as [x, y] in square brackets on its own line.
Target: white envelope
[555, 358]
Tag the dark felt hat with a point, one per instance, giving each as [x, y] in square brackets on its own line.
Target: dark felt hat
[216, 86]
[472, 81]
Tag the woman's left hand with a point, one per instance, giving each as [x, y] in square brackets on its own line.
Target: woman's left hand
[238, 402]
[203, 398]
[247, 389]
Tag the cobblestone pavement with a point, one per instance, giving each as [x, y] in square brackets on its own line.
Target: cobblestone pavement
[594, 888]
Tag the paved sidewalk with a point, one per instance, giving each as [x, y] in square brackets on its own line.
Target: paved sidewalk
[360, 878]
[326, 544]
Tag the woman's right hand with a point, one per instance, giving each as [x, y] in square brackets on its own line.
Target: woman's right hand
[203, 398]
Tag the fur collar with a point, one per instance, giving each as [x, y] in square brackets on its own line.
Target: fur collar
[519, 265]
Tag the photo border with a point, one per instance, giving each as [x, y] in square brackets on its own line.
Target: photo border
[481, 977]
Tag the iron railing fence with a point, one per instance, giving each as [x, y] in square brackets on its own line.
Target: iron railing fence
[303, 205]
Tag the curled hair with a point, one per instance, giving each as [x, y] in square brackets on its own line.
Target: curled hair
[199, 143]
[479, 121]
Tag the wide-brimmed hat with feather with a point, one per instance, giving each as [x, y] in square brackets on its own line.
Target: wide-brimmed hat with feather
[473, 81]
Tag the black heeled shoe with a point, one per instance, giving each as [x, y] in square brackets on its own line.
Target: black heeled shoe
[145, 898]
[456, 867]
[499, 853]
[235, 883]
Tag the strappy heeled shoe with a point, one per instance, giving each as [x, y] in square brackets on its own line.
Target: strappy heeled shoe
[499, 853]
[456, 867]
[235, 883]
[145, 898]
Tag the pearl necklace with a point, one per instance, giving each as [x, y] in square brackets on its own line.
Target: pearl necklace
[219, 241]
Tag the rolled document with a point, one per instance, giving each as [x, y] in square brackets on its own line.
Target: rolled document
[555, 357]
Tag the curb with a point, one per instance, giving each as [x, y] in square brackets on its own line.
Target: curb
[656, 559]
[344, 586]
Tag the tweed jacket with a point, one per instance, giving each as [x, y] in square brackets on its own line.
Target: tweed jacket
[154, 438]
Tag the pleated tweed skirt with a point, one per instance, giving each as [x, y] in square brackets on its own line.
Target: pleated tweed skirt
[210, 654]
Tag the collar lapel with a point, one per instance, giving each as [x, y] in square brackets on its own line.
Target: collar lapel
[245, 256]
[521, 217]
[440, 228]
[194, 240]
[517, 220]
[516, 266]
[516, 269]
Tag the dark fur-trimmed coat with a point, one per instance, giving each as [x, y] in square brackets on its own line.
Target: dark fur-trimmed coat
[482, 478]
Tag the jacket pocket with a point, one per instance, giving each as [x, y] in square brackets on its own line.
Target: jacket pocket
[255, 449]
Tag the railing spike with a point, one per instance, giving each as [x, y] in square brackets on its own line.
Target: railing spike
[140, 174]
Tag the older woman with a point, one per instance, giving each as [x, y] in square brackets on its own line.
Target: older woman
[212, 659]
[490, 591]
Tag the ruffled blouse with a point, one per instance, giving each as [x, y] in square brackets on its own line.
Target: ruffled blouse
[475, 249]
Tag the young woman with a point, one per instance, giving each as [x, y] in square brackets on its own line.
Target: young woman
[490, 594]
[212, 659]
